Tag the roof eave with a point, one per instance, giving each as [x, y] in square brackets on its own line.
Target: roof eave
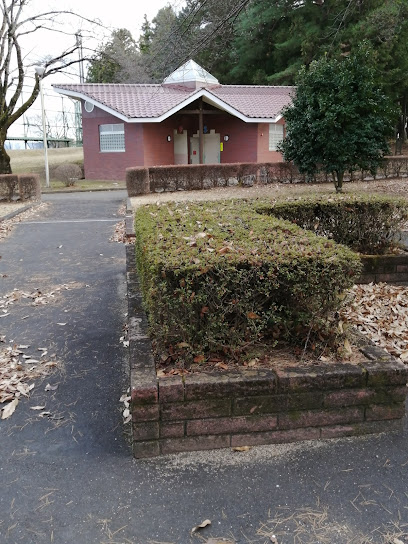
[198, 94]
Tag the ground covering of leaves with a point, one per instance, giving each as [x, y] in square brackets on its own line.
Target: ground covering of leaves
[380, 312]
[36, 297]
[119, 232]
[20, 364]
[18, 370]
[7, 225]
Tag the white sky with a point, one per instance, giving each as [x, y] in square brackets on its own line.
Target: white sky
[111, 14]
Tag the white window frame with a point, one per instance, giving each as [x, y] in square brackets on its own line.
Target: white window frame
[275, 136]
[112, 138]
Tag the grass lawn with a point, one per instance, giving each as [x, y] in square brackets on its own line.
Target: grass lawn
[32, 161]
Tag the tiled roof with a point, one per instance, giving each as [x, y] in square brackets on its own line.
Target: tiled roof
[255, 101]
[146, 101]
[132, 100]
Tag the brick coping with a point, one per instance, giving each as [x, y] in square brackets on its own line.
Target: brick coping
[253, 407]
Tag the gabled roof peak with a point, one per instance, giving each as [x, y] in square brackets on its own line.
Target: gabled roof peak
[191, 75]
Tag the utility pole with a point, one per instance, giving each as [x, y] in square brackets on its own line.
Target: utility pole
[78, 116]
[78, 37]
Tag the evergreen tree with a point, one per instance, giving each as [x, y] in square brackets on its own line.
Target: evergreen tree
[117, 61]
[339, 119]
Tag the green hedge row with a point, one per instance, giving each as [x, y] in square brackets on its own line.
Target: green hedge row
[220, 275]
[368, 224]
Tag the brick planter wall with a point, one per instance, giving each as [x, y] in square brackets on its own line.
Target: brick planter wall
[254, 407]
[385, 268]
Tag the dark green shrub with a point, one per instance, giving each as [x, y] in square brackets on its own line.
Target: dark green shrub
[366, 223]
[220, 275]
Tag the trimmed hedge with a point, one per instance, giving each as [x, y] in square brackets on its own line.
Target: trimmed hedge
[186, 177]
[218, 276]
[26, 185]
[29, 186]
[8, 186]
[137, 181]
[367, 224]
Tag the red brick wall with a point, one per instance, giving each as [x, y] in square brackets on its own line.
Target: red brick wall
[264, 155]
[241, 146]
[146, 144]
[157, 150]
[109, 166]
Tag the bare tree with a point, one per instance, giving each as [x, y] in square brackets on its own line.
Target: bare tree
[57, 128]
[17, 22]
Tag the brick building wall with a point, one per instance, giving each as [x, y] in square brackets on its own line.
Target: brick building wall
[264, 155]
[146, 144]
[109, 166]
[157, 150]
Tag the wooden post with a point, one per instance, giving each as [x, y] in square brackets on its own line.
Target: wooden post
[201, 133]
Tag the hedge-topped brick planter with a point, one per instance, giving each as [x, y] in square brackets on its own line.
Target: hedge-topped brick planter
[252, 407]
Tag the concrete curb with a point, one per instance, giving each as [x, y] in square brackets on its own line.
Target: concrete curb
[47, 192]
[20, 210]
[129, 223]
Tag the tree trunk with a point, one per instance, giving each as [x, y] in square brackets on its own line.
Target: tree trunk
[5, 167]
[338, 183]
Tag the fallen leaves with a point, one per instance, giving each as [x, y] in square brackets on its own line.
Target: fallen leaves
[119, 233]
[49, 387]
[6, 226]
[9, 409]
[17, 370]
[36, 298]
[126, 398]
[205, 523]
[380, 312]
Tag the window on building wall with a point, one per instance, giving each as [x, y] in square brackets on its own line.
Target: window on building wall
[112, 137]
[275, 136]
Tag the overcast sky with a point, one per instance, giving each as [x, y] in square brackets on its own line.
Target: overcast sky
[114, 14]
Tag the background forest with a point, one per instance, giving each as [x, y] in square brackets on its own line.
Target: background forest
[261, 42]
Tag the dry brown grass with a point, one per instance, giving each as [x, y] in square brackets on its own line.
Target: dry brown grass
[32, 160]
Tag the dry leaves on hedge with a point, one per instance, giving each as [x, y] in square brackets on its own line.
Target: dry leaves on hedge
[380, 312]
[17, 372]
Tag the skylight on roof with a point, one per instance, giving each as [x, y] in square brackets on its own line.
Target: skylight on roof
[190, 72]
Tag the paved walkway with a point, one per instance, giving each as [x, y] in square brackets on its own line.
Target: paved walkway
[73, 480]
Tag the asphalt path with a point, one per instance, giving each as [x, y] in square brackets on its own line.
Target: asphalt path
[70, 478]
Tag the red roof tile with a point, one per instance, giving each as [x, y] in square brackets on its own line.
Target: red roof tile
[152, 101]
[255, 101]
